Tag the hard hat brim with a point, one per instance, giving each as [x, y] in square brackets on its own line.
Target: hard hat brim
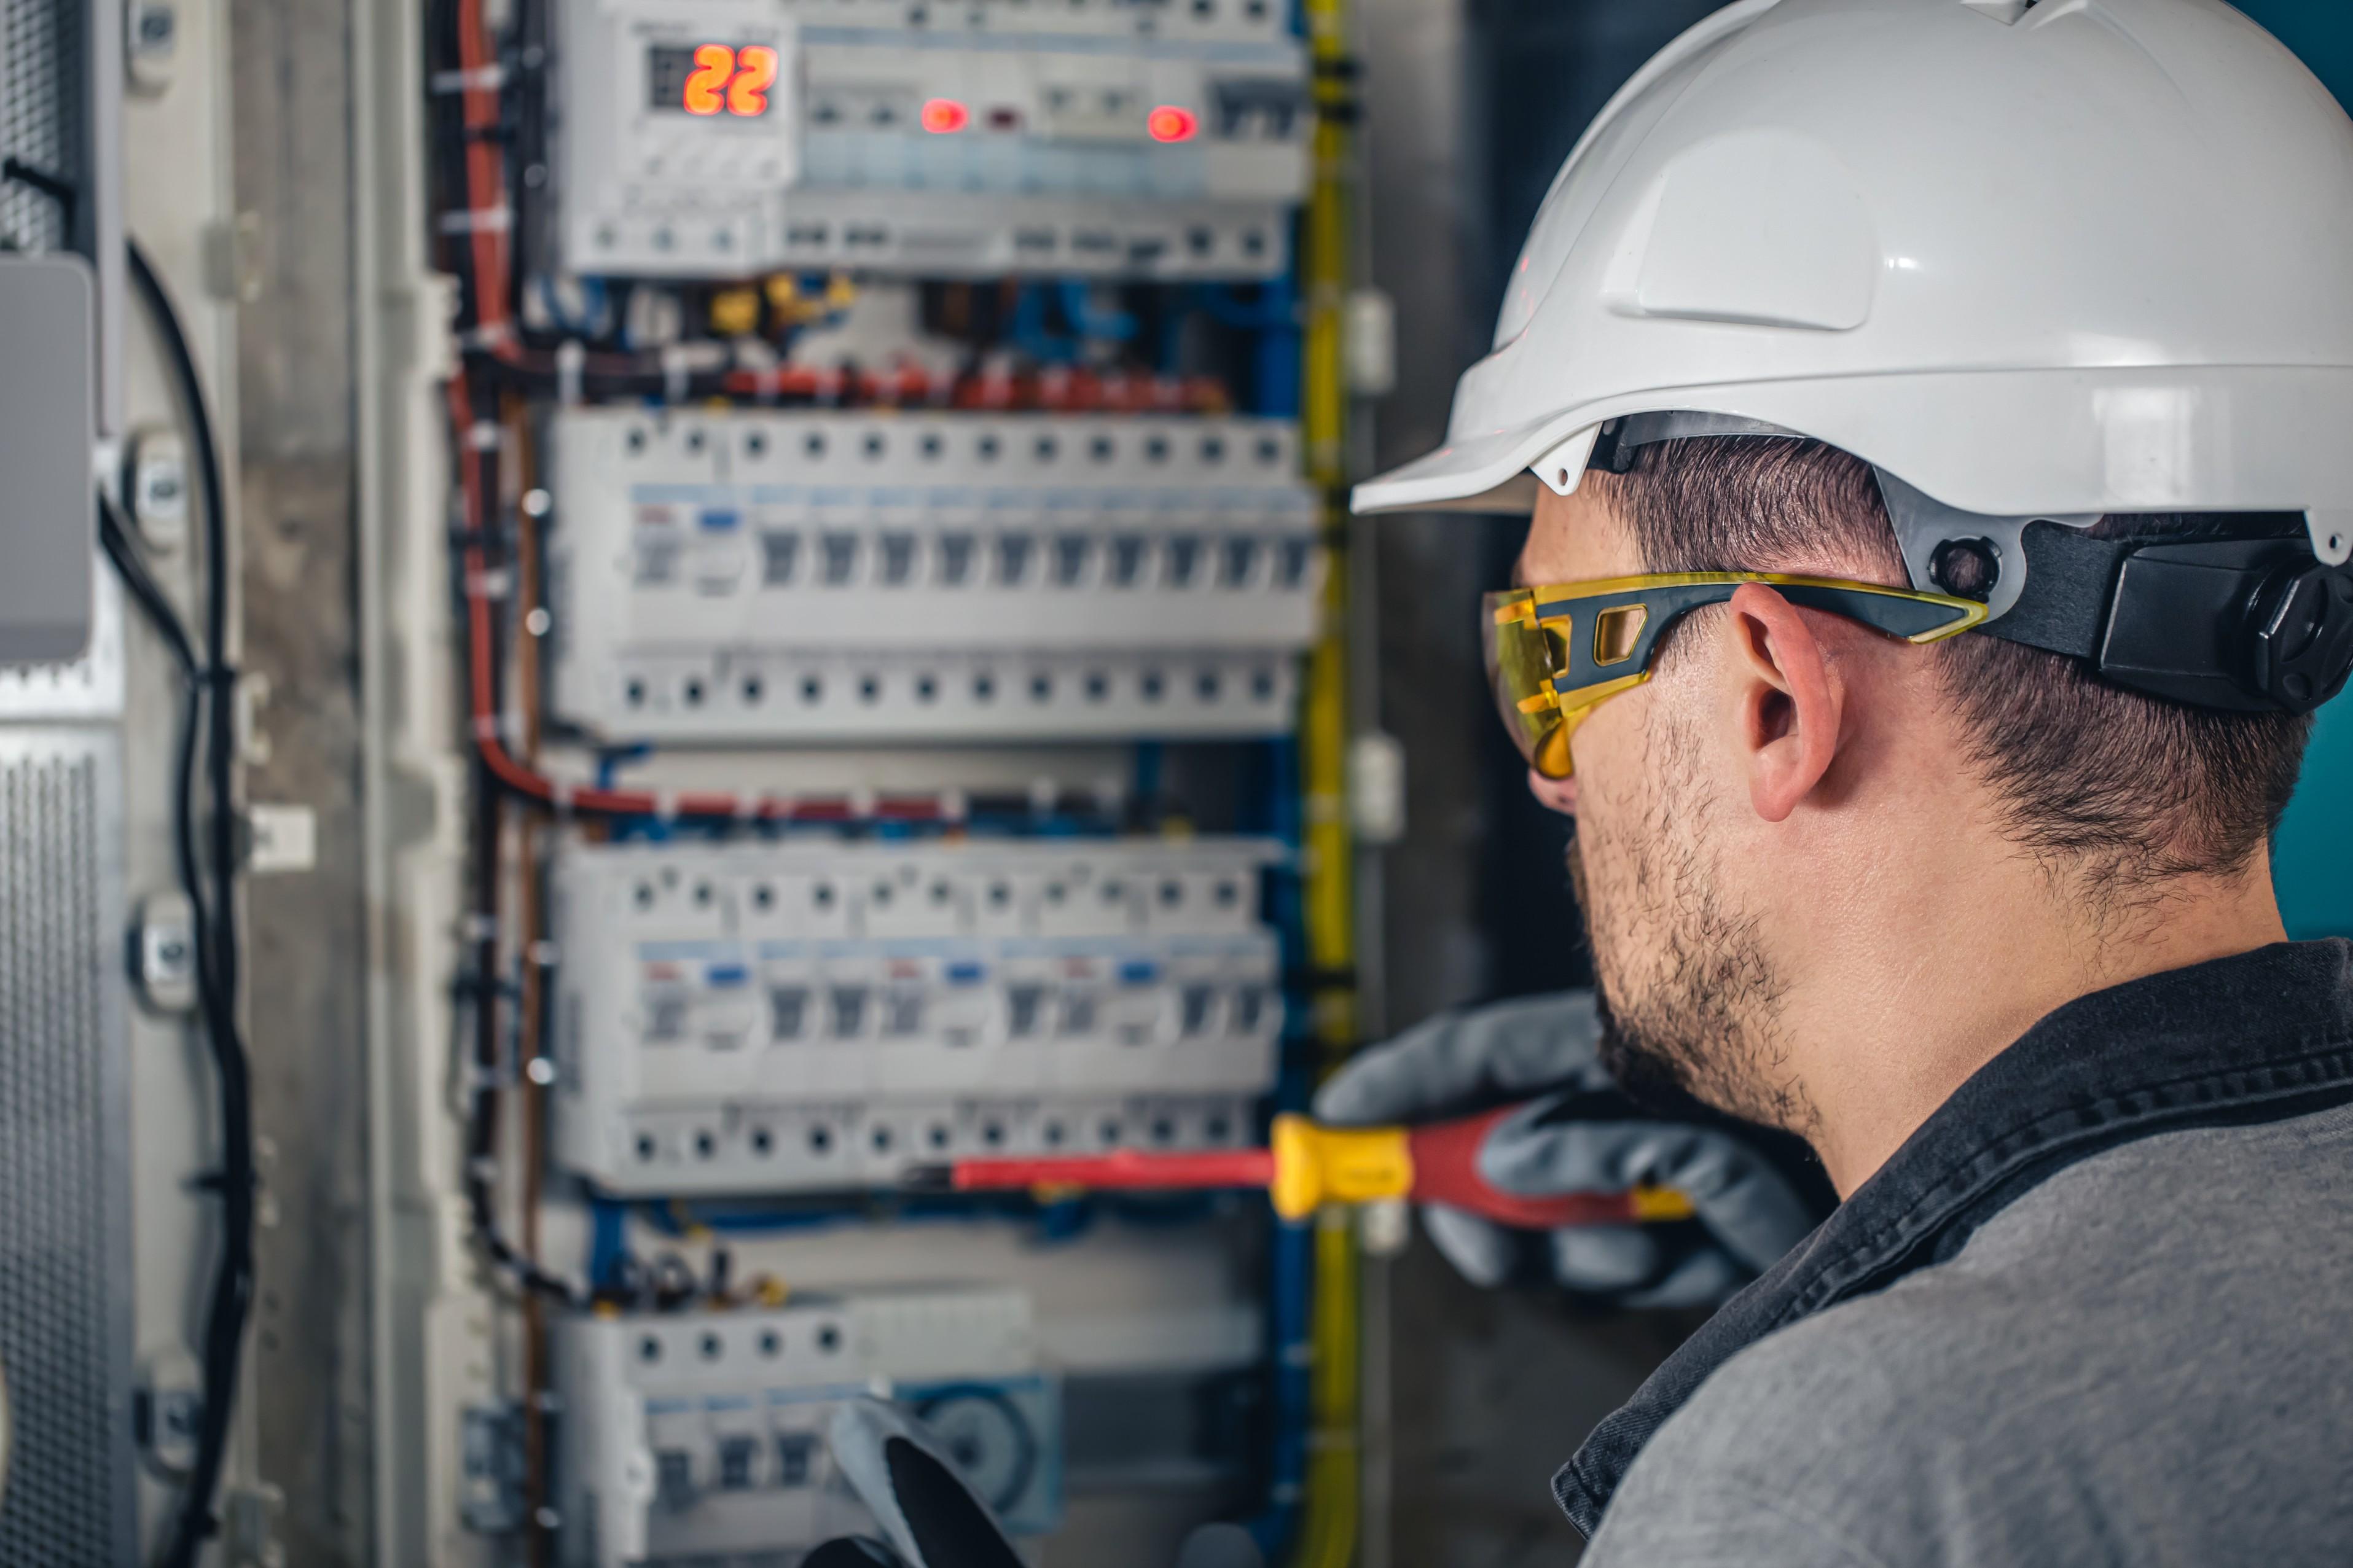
[1487, 474]
[2000, 442]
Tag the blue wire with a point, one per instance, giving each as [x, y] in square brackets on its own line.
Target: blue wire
[1030, 332]
[1148, 760]
[612, 759]
[1082, 316]
[1270, 314]
[608, 1240]
[1061, 1220]
[1291, 1274]
[593, 300]
[1277, 367]
[662, 1219]
[1290, 1287]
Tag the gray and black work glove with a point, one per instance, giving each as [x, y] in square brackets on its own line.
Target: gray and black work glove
[930, 1514]
[1754, 1194]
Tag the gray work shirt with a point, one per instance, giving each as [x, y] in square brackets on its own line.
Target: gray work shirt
[2148, 1359]
[2098, 1309]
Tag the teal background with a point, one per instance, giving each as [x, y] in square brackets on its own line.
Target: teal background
[2313, 859]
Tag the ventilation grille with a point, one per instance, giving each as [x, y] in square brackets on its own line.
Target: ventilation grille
[62, 1306]
[40, 44]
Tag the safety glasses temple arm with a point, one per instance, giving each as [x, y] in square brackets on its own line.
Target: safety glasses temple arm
[1579, 612]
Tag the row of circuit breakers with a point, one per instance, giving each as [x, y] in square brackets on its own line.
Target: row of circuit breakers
[701, 1437]
[809, 1013]
[943, 138]
[774, 576]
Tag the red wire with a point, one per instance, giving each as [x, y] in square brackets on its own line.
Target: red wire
[525, 781]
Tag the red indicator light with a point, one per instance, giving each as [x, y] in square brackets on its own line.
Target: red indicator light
[942, 116]
[1171, 123]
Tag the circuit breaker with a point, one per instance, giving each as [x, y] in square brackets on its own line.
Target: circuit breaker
[722, 138]
[762, 575]
[815, 1015]
[701, 1436]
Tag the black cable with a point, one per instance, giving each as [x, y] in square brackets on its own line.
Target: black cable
[528, 162]
[217, 1012]
[483, 982]
[221, 720]
[115, 537]
[60, 191]
[132, 568]
[217, 958]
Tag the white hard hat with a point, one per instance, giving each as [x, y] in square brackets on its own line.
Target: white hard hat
[2029, 260]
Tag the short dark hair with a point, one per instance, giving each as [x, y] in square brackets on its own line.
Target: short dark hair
[2140, 789]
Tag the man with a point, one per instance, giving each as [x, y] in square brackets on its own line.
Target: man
[1935, 414]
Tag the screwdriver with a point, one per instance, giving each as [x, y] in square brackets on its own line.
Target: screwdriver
[1307, 1165]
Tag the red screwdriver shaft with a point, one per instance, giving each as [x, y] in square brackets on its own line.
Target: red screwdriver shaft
[1123, 1170]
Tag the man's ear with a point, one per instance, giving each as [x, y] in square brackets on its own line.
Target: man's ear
[1791, 699]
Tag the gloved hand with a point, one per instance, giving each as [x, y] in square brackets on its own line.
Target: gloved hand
[930, 1514]
[1579, 1132]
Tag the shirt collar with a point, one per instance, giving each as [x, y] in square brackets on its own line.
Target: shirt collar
[2259, 1036]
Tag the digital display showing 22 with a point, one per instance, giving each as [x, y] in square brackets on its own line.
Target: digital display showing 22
[710, 79]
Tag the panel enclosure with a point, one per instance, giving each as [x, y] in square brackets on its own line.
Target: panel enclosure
[765, 576]
[1104, 138]
[49, 430]
[65, 1331]
[815, 1014]
[697, 1436]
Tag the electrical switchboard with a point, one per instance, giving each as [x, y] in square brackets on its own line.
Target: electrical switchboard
[842, 384]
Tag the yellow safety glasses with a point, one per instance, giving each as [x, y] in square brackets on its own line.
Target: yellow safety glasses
[1555, 654]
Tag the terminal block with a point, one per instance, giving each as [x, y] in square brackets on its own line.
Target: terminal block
[811, 1015]
[1108, 138]
[698, 1437]
[758, 575]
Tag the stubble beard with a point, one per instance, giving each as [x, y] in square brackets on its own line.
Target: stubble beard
[1689, 997]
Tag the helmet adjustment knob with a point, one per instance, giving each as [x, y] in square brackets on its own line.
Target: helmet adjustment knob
[2303, 641]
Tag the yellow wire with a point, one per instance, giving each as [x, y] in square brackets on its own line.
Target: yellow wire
[1327, 1537]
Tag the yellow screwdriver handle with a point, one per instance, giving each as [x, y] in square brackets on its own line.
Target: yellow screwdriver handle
[1317, 1166]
